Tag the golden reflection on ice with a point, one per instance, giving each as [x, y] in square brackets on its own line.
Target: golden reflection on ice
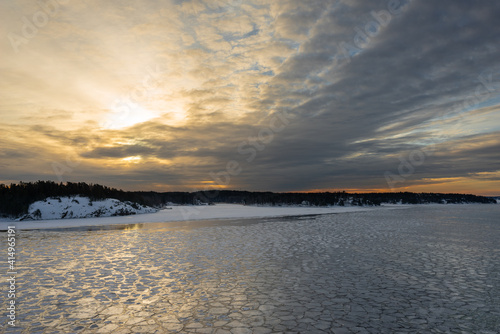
[313, 275]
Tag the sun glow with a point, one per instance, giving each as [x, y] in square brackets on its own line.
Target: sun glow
[124, 115]
[134, 159]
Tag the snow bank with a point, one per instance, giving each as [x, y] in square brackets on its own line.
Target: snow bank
[186, 213]
[82, 207]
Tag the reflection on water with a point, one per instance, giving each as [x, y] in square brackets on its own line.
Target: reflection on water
[422, 269]
[172, 225]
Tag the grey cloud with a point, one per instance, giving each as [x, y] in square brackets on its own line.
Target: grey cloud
[409, 74]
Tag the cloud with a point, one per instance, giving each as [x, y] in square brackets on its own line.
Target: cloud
[215, 75]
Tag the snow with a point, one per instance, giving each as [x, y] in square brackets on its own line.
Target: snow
[181, 213]
[82, 207]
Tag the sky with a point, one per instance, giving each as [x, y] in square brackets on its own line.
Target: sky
[282, 95]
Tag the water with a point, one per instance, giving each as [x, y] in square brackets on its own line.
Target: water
[428, 269]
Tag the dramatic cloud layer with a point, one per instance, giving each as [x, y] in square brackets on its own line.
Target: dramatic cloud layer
[281, 95]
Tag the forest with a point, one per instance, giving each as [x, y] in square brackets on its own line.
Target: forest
[15, 199]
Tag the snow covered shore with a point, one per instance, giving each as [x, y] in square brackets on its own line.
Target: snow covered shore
[183, 213]
[81, 207]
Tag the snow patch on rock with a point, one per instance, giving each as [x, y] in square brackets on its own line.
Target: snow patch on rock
[82, 207]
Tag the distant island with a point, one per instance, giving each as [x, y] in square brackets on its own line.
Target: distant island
[16, 199]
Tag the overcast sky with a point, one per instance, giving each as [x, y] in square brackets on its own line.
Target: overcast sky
[258, 95]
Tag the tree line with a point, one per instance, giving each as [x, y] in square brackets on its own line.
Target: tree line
[15, 199]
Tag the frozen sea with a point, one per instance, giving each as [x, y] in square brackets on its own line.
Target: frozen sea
[423, 269]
